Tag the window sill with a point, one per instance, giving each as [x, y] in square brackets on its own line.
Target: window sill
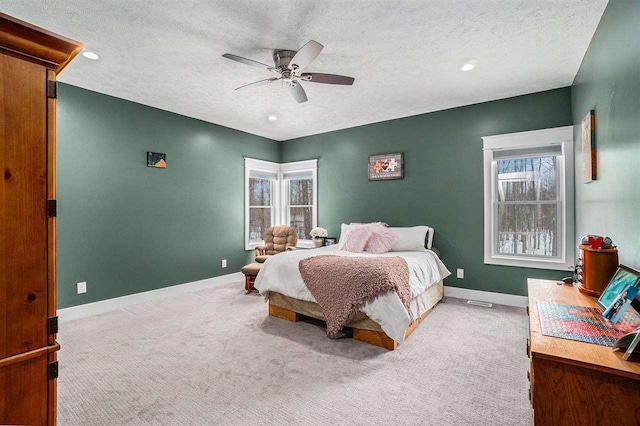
[252, 246]
[305, 244]
[524, 262]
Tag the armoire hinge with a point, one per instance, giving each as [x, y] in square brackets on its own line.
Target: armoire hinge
[52, 89]
[52, 208]
[52, 370]
[52, 325]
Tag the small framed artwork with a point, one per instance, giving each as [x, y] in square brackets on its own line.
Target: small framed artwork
[156, 159]
[329, 241]
[589, 169]
[386, 166]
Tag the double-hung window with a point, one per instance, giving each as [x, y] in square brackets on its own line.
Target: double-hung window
[260, 199]
[299, 191]
[528, 202]
[280, 194]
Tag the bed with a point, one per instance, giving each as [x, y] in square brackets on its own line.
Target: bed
[384, 321]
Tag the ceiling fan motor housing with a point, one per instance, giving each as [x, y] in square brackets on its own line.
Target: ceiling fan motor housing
[282, 58]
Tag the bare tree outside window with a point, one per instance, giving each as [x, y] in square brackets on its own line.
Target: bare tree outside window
[260, 208]
[528, 207]
[300, 208]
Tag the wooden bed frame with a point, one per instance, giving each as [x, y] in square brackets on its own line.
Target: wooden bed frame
[376, 338]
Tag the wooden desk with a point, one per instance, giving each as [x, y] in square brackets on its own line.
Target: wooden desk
[577, 383]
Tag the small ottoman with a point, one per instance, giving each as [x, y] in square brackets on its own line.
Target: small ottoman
[250, 271]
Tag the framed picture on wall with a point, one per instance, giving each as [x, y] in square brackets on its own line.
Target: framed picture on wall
[156, 159]
[386, 166]
[589, 147]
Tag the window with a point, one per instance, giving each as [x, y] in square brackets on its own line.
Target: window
[299, 202]
[528, 201]
[260, 199]
[279, 194]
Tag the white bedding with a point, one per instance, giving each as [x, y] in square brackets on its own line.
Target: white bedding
[280, 273]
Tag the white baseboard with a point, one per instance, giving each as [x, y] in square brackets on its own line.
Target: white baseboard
[95, 308]
[486, 296]
[82, 311]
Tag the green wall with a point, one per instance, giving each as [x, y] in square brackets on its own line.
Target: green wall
[126, 228]
[443, 183]
[609, 83]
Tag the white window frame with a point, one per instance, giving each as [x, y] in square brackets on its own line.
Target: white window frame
[264, 166]
[280, 207]
[538, 138]
[298, 166]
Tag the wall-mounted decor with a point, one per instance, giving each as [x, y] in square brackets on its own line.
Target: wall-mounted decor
[156, 159]
[589, 147]
[386, 166]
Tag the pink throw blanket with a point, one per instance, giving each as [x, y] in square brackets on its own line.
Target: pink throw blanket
[342, 285]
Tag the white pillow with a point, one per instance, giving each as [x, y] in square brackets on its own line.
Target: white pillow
[414, 238]
[343, 231]
[429, 237]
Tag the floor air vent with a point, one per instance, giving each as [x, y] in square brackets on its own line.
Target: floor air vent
[479, 303]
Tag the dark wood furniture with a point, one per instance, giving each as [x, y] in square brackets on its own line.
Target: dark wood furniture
[577, 383]
[597, 267]
[30, 59]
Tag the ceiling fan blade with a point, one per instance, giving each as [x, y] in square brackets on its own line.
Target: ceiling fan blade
[257, 84]
[306, 54]
[298, 93]
[316, 77]
[246, 61]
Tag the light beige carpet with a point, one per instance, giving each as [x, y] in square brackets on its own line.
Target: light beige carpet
[215, 357]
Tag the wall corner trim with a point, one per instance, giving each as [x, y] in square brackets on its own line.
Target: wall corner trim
[103, 306]
[486, 296]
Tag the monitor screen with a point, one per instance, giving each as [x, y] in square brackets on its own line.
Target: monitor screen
[623, 277]
[635, 303]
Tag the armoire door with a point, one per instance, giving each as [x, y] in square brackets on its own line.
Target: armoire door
[23, 242]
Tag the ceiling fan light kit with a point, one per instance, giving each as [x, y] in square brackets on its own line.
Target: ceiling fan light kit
[288, 65]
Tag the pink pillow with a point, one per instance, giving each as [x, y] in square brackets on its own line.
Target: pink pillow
[382, 239]
[355, 240]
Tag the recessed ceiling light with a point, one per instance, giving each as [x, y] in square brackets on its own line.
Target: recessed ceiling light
[468, 66]
[272, 118]
[90, 55]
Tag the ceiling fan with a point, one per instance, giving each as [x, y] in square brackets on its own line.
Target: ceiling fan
[288, 65]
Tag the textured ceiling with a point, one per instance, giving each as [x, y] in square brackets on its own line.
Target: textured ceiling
[404, 54]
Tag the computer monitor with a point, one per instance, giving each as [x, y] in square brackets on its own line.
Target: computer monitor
[623, 277]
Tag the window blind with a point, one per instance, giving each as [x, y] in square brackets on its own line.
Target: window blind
[298, 175]
[538, 151]
[262, 174]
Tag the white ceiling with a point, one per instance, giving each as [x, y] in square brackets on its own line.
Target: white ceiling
[404, 54]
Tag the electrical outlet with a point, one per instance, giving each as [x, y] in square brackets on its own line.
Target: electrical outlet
[224, 263]
[460, 273]
[82, 287]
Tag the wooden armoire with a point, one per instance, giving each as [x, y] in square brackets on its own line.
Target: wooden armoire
[30, 59]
